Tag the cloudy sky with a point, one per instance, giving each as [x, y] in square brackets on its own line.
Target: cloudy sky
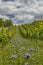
[21, 11]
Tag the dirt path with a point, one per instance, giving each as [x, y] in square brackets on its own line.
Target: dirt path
[17, 36]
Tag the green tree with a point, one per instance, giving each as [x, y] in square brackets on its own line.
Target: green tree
[7, 23]
[0, 22]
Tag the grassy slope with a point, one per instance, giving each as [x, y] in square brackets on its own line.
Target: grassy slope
[20, 46]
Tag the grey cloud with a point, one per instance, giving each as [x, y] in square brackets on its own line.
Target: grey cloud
[7, 0]
[21, 11]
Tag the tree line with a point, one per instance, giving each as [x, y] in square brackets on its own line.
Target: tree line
[5, 23]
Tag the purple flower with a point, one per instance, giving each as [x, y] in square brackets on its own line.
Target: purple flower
[26, 64]
[32, 49]
[27, 55]
[13, 56]
[10, 41]
[13, 46]
[23, 48]
[18, 41]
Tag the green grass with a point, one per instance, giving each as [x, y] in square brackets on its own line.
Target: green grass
[19, 46]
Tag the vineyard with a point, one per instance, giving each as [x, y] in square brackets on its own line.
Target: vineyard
[33, 31]
[21, 45]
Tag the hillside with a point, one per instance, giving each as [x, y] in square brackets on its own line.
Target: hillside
[21, 45]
